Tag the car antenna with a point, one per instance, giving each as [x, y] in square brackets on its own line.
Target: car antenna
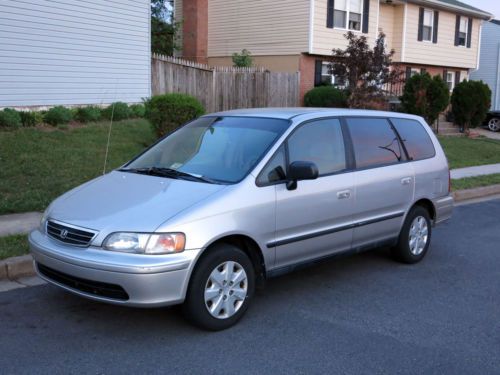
[109, 138]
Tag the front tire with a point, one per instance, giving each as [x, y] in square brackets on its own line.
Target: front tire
[220, 289]
[415, 237]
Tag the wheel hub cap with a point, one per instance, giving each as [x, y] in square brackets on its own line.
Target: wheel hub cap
[494, 124]
[419, 235]
[226, 290]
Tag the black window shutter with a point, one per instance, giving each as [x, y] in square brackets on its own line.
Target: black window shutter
[445, 74]
[366, 15]
[329, 13]
[457, 77]
[469, 34]
[457, 29]
[421, 25]
[317, 72]
[408, 73]
[423, 70]
[436, 24]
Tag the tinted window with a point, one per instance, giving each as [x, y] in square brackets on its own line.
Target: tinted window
[415, 137]
[275, 169]
[220, 148]
[320, 142]
[374, 141]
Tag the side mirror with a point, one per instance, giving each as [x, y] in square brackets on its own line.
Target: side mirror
[301, 170]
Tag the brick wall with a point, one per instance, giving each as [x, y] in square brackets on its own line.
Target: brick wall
[306, 67]
[195, 30]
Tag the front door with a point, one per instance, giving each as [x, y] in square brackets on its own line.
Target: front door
[314, 219]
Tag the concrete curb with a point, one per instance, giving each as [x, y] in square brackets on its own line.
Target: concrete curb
[17, 267]
[480, 192]
[22, 266]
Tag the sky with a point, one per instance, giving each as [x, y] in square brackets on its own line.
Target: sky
[491, 6]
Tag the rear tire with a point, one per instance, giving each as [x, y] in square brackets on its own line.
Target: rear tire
[415, 237]
[221, 288]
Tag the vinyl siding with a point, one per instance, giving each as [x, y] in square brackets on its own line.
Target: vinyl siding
[489, 63]
[74, 52]
[391, 24]
[265, 27]
[444, 53]
[326, 39]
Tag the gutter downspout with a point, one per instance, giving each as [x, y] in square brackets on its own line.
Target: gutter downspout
[311, 26]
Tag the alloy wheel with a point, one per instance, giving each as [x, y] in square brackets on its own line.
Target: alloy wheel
[419, 235]
[494, 124]
[226, 290]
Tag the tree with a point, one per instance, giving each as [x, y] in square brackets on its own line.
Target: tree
[470, 103]
[367, 71]
[425, 96]
[164, 29]
[243, 59]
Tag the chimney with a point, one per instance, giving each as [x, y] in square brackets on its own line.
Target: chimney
[195, 30]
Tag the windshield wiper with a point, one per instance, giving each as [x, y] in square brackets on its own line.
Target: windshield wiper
[168, 172]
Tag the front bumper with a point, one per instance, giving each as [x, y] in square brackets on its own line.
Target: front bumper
[147, 280]
[444, 208]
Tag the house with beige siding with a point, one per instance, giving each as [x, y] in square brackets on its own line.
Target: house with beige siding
[438, 36]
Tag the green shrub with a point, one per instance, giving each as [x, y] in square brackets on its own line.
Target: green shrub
[425, 96]
[88, 114]
[243, 59]
[137, 110]
[326, 96]
[29, 118]
[119, 111]
[167, 112]
[470, 103]
[10, 118]
[58, 115]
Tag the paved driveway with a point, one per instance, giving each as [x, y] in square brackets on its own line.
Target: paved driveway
[360, 315]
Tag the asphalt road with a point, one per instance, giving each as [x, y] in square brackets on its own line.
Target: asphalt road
[360, 315]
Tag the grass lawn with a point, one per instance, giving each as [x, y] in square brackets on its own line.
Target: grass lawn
[12, 246]
[473, 182]
[466, 152]
[37, 165]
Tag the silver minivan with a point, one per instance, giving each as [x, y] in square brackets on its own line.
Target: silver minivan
[231, 199]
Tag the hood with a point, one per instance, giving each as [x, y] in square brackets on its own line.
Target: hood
[122, 201]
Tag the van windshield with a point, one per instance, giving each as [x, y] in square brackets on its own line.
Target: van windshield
[220, 149]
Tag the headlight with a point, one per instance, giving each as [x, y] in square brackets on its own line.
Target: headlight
[145, 243]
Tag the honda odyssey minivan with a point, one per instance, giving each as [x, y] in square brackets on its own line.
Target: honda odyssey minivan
[231, 199]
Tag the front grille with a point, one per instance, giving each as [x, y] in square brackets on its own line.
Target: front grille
[67, 234]
[95, 288]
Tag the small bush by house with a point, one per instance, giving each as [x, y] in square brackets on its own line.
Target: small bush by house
[167, 112]
[10, 118]
[326, 96]
[88, 114]
[118, 111]
[470, 103]
[31, 118]
[137, 110]
[425, 96]
[58, 116]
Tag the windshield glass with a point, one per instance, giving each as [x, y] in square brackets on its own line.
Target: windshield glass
[222, 149]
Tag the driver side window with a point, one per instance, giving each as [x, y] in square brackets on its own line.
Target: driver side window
[320, 142]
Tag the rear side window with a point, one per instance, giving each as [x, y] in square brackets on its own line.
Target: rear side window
[415, 137]
[375, 143]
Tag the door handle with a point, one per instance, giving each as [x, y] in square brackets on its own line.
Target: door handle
[344, 194]
[406, 181]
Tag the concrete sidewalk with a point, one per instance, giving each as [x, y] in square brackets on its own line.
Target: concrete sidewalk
[479, 170]
[19, 223]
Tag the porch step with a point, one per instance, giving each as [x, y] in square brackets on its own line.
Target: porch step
[442, 131]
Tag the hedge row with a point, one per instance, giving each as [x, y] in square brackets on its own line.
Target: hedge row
[12, 119]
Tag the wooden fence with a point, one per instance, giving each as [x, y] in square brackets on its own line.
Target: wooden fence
[223, 88]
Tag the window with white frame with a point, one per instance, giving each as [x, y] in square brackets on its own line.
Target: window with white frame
[450, 80]
[348, 14]
[462, 32]
[414, 72]
[327, 77]
[428, 25]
